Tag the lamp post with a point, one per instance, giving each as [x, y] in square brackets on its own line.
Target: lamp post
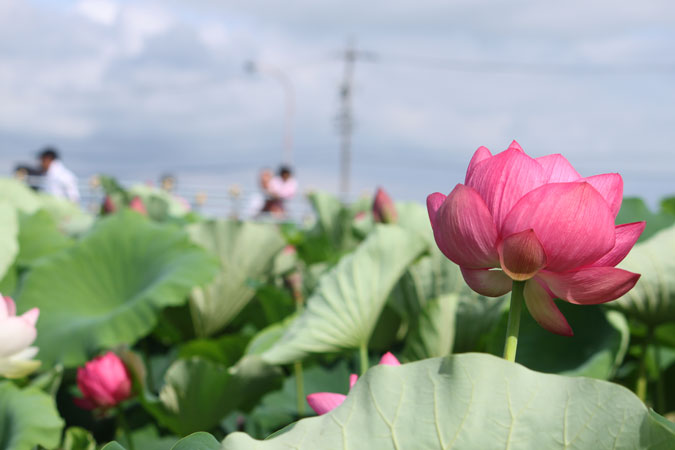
[289, 100]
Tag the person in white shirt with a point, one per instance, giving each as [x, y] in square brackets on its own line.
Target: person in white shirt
[58, 180]
[281, 188]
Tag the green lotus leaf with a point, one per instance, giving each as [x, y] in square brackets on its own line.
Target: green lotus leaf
[71, 219]
[166, 204]
[109, 287]
[76, 438]
[652, 300]
[39, 236]
[19, 195]
[474, 401]
[433, 331]
[246, 252]
[28, 418]
[9, 232]
[343, 311]
[596, 350]
[198, 393]
[197, 441]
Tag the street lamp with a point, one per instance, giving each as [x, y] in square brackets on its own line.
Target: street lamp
[289, 96]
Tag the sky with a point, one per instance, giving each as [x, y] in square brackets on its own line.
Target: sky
[139, 88]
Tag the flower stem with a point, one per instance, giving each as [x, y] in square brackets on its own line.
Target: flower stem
[363, 353]
[299, 388]
[511, 344]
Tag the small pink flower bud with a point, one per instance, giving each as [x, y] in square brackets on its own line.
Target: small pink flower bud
[104, 382]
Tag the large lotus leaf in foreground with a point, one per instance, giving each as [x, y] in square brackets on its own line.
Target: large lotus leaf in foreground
[344, 309]
[246, 252]
[108, 288]
[652, 300]
[28, 418]
[475, 401]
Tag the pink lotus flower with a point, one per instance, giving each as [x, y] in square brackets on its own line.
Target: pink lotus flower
[384, 210]
[520, 218]
[17, 333]
[137, 205]
[104, 382]
[323, 402]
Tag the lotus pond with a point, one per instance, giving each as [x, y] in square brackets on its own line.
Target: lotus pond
[162, 329]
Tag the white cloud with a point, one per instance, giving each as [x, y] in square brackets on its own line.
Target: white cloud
[214, 35]
[103, 12]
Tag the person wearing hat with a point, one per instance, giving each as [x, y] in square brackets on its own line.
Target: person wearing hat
[58, 180]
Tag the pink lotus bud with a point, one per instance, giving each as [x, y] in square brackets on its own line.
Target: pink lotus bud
[17, 333]
[109, 205]
[137, 205]
[384, 210]
[104, 382]
[323, 402]
[536, 220]
[289, 250]
[361, 215]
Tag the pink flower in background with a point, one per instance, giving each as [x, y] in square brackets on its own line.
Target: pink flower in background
[109, 205]
[137, 205]
[539, 221]
[323, 402]
[17, 333]
[104, 382]
[384, 210]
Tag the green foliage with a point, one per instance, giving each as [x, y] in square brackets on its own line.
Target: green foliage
[432, 278]
[344, 309]
[9, 230]
[108, 288]
[475, 401]
[19, 195]
[39, 236]
[652, 300]
[225, 350]
[246, 252]
[198, 393]
[635, 210]
[28, 418]
[597, 348]
[77, 438]
[197, 441]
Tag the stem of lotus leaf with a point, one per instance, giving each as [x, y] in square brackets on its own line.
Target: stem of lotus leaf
[660, 387]
[124, 425]
[641, 384]
[511, 344]
[299, 388]
[363, 353]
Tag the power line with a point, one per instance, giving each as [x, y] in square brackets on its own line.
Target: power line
[523, 68]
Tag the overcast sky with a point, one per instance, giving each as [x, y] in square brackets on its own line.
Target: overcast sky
[135, 88]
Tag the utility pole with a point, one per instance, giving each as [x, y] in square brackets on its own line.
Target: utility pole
[345, 119]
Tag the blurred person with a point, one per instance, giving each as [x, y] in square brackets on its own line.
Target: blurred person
[58, 180]
[281, 188]
[257, 201]
[29, 175]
